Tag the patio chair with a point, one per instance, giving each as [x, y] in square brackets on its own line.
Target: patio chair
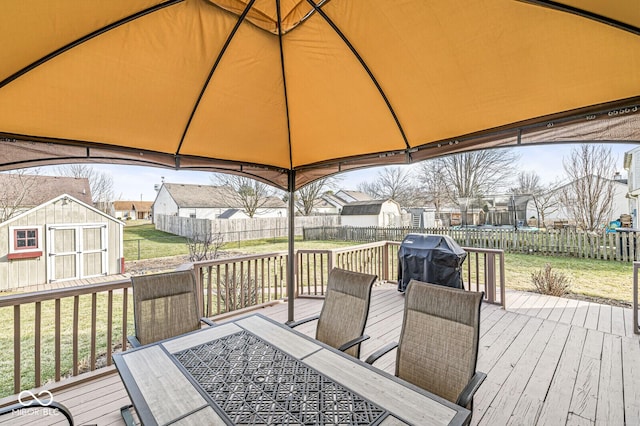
[164, 306]
[16, 411]
[438, 347]
[344, 313]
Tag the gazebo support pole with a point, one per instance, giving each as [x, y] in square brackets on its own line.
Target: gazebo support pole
[291, 257]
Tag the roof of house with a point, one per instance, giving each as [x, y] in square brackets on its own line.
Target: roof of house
[363, 208]
[209, 196]
[356, 195]
[33, 190]
[139, 206]
[230, 213]
[202, 196]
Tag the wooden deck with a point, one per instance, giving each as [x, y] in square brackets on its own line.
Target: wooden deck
[549, 361]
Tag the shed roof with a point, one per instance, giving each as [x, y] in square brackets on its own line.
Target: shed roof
[363, 208]
[32, 190]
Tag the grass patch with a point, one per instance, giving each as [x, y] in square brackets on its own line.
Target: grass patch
[596, 278]
[146, 242]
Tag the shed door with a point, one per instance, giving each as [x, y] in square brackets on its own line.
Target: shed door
[76, 251]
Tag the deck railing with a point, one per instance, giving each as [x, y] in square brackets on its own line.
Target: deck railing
[54, 334]
[59, 333]
[483, 269]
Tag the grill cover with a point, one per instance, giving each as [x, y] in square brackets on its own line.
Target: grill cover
[435, 259]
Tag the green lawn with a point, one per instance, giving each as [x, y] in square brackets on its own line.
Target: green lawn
[598, 278]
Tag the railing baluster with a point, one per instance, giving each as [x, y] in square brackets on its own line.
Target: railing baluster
[92, 364]
[37, 349]
[16, 349]
[76, 309]
[57, 340]
[109, 325]
[125, 305]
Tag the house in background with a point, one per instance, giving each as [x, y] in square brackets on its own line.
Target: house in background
[126, 210]
[371, 213]
[208, 202]
[332, 203]
[61, 239]
[561, 215]
[349, 196]
[21, 192]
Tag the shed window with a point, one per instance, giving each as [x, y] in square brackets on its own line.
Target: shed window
[25, 239]
[24, 242]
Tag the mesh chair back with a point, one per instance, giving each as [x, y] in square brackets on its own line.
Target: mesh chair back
[438, 347]
[165, 305]
[345, 309]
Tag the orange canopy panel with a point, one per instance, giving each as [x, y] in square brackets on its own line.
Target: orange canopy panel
[265, 88]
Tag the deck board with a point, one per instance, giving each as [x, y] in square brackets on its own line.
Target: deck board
[549, 360]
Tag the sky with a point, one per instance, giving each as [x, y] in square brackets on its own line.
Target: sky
[135, 183]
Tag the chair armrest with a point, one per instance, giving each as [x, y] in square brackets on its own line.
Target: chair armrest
[380, 352]
[208, 321]
[125, 412]
[353, 342]
[467, 393]
[293, 324]
[35, 403]
[133, 341]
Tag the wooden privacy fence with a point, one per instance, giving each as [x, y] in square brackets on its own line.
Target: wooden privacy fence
[618, 246]
[54, 334]
[240, 229]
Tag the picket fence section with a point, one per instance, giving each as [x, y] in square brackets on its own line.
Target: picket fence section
[617, 246]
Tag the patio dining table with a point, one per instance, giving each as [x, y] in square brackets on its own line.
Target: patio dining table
[256, 371]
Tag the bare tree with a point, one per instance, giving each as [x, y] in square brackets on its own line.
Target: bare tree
[250, 194]
[431, 183]
[544, 197]
[527, 182]
[100, 183]
[472, 174]
[588, 197]
[308, 194]
[14, 191]
[546, 202]
[204, 247]
[393, 183]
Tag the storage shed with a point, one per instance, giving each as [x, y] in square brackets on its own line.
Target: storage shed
[371, 213]
[61, 239]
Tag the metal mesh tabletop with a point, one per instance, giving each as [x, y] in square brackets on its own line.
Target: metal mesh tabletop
[255, 383]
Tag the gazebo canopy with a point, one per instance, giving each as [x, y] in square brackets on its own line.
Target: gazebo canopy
[266, 87]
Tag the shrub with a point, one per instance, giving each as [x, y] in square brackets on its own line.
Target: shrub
[548, 281]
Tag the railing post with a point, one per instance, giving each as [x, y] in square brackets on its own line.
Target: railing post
[636, 326]
[490, 276]
[385, 262]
